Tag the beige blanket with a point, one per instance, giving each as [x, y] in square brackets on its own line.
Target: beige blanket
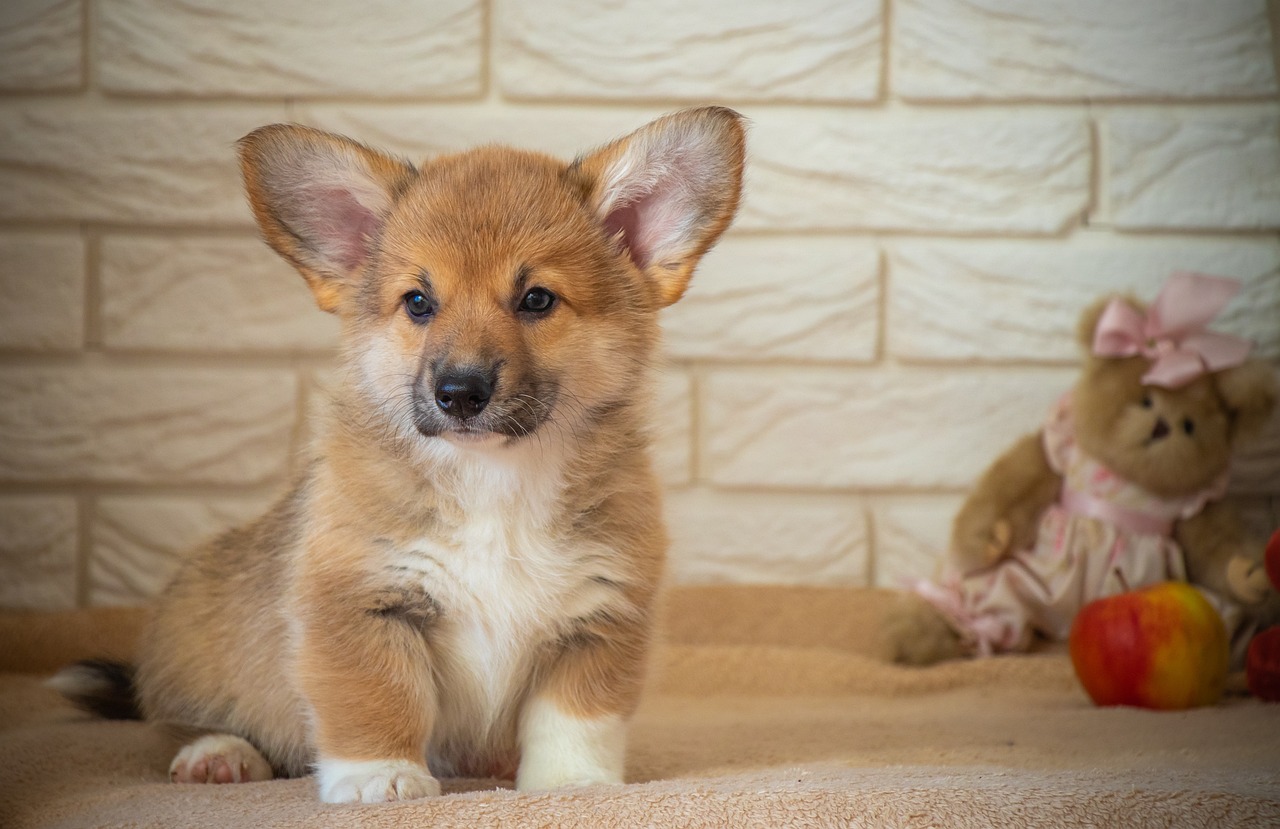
[766, 709]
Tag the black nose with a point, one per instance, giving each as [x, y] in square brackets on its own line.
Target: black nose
[1161, 429]
[463, 394]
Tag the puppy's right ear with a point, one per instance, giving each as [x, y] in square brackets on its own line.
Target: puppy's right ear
[320, 200]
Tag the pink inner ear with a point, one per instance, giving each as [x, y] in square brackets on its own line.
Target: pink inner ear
[654, 225]
[624, 221]
[341, 226]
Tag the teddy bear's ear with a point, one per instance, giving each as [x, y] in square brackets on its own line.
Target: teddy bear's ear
[1250, 391]
[1089, 319]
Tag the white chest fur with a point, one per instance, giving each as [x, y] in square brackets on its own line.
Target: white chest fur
[508, 578]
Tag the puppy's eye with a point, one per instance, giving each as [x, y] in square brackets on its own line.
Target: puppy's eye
[1146, 401]
[1188, 426]
[537, 301]
[417, 304]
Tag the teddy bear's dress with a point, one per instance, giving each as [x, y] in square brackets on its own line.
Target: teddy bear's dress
[1105, 535]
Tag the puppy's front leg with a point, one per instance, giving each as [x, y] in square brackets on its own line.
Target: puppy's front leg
[573, 728]
[364, 666]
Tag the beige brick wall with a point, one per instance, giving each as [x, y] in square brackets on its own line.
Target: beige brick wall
[935, 189]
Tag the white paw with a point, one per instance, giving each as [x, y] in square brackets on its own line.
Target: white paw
[559, 749]
[374, 781]
[219, 758]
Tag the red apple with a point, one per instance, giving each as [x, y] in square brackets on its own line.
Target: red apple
[1262, 661]
[1273, 559]
[1262, 665]
[1161, 647]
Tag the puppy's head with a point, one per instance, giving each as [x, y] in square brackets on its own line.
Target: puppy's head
[487, 293]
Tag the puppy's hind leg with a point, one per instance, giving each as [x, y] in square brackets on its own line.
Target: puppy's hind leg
[219, 758]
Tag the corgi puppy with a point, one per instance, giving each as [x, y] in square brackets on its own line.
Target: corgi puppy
[463, 580]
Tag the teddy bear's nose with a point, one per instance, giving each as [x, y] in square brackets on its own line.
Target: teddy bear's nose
[1161, 429]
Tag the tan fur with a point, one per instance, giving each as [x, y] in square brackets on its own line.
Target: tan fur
[1015, 490]
[913, 633]
[346, 622]
[1115, 415]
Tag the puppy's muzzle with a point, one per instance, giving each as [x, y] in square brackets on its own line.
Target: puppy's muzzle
[463, 394]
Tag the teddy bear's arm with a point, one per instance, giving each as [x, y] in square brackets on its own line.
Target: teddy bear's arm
[1002, 512]
[1221, 556]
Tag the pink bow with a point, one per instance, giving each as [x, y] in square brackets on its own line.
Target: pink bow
[1173, 334]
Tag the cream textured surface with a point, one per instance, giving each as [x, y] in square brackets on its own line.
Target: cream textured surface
[766, 710]
[935, 188]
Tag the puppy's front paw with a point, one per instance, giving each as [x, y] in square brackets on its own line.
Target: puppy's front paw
[374, 781]
[559, 749]
[219, 758]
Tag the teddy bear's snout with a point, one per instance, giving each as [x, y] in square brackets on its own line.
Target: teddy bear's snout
[1161, 429]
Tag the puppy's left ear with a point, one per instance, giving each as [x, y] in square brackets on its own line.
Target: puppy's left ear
[321, 201]
[668, 191]
[1250, 392]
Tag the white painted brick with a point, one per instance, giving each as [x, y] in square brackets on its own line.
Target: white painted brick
[1050, 49]
[41, 291]
[941, 171]
[37, 552]
[84, 161]
[1193, 170]
[40, 45]
[1020, 300]
[821, 50]
[425, 131]
[912, 534]
[143, 425]
[801, 298]
[766, 539]
[369, 48]
[672, 419]
[831, 428]
[138, 542]
[808, 169]
[207, 294]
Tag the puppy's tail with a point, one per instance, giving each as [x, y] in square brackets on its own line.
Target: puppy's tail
[99, 686]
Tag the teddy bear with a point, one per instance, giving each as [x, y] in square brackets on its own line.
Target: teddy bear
[1121, 487]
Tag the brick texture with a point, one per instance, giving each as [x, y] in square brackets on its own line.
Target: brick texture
[243, 48]
[207, 295]
[826, 308]
[853, 428]
[912, 533]
[139, 542]
[1198, 170]
[40, 44]
[1048, 49]
[37, 552]
[42, 287]
[213, 426]
[723, 537]
[158, 165]
[949, 171]
[935, 190]
[1004, 301]
[824, 50]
